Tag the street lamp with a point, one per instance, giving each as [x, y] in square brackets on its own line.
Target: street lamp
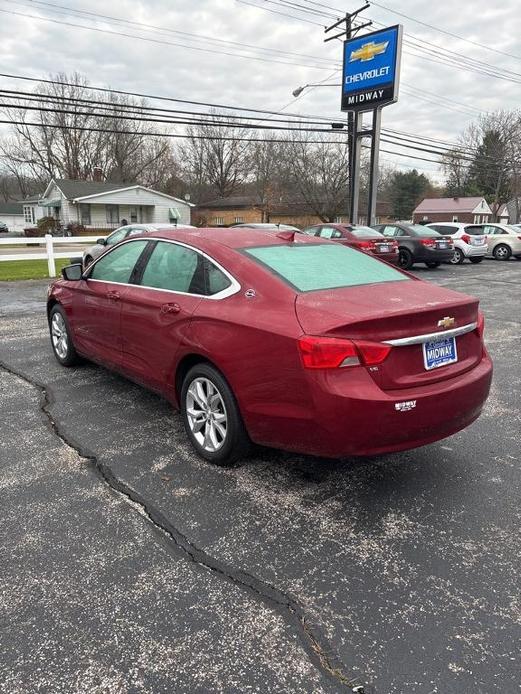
[298, 92]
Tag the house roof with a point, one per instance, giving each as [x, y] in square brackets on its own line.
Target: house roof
[79, 189]
[437, 205]
[11, 208]
[231, 202]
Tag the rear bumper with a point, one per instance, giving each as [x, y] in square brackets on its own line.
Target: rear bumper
[351, 416]
[426, 255]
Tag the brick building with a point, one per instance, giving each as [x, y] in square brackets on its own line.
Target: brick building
[468, 210]
[244, 209]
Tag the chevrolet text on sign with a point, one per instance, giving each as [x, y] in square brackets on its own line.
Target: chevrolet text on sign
[371, 70]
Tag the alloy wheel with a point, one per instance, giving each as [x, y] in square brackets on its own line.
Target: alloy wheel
[206, 414]
[60, 339]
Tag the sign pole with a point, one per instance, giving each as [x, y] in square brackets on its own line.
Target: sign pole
[354, 183]
[373, 171]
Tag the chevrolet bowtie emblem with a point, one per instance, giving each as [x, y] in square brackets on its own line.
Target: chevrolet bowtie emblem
[446, 322]
[368, 51]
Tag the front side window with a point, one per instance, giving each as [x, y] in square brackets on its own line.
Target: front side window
[311, 231]
[310, 267]
[175, 268]
[112, 213]
[389, 230]
[118, 265]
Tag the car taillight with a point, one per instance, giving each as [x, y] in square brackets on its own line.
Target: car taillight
[366, 244]
[481, 325]
[428, 242]
[465, 238]
[332, 352]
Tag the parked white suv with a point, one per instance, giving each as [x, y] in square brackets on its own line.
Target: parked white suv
[470, 240]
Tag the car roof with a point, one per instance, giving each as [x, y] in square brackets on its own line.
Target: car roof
[214, 237]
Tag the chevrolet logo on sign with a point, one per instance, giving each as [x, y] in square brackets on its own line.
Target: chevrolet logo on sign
[446, 322]
[368, 51]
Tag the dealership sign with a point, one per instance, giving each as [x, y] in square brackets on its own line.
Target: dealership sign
[371, 71]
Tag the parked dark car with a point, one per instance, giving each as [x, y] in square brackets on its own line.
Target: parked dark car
[3, 228]
[418, 244]
[357, 236]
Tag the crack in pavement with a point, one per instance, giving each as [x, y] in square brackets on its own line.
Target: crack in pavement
[315, 644]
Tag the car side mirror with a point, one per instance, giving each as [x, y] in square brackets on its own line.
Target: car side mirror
[72, 273]
[101, 242]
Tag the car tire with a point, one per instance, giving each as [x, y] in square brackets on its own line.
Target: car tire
[405, 259]
[61, 340]
[475, 261]
[211, 417]
[432, 264]
[457, 257]
[502, 252]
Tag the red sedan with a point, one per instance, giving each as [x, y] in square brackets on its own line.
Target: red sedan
[360, 237]
[282, 339]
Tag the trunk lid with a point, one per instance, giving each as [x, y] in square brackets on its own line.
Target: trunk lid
[392, 311]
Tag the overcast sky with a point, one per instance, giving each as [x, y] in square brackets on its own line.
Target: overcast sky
[34, 47]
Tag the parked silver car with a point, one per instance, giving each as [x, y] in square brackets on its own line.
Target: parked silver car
[93, 252]
[504, 241]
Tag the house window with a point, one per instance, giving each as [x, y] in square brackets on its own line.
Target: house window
[477, 219]
[133, 215]
[218, 220]
[454, 219]
[85, 214]
[112, 212]
[29, 214]
[238, 220]
[425, 218]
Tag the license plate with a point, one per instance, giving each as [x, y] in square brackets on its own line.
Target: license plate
[477, 242]
[384, 249]
[442, 245]
[439, 353]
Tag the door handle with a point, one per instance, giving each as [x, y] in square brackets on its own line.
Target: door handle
[170, 308]
[113, 296]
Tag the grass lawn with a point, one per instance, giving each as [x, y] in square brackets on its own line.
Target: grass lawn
[28, 269]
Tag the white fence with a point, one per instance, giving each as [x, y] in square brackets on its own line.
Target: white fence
[48, 253]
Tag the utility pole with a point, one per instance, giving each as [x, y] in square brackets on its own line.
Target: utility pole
[354, 120]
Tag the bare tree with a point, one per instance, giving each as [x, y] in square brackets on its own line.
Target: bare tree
[70, 138]
[264, 166]
[216, 153]
[318, 171]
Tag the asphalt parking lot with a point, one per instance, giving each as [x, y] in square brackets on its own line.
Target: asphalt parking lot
[129, 565]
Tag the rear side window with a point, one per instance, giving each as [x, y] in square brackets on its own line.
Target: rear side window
[215, 279]
[311, 267]
[474, 230]
[118, 265]
[175, 268]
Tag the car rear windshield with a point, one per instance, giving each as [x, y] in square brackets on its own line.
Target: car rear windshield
[310, 267]
[421, 230]
[365, 233]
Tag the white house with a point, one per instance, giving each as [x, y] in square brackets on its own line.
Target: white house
[100, 204]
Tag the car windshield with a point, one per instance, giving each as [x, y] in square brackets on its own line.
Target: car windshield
[365, 232]
[311, 267]
[513, 228]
